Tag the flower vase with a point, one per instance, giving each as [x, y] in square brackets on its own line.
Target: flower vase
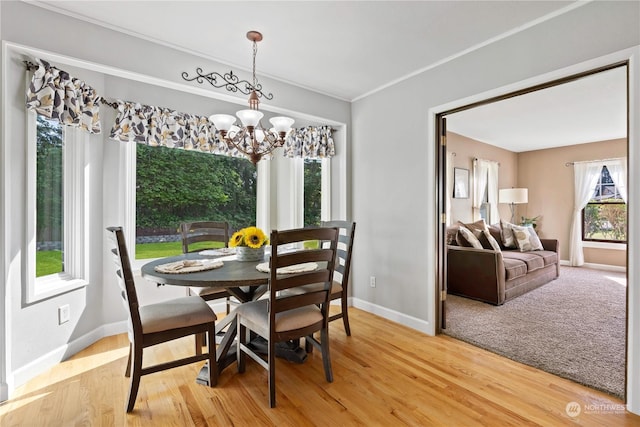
[245, 253]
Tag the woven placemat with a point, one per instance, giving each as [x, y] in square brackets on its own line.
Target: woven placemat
[218, 252]
[298, 268]
[188, 266]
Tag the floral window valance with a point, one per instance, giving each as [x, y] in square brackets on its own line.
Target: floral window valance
[157, 126]
[56, 95]
[310, 143]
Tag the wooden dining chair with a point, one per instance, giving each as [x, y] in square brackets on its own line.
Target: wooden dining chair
[160, 322]
[207, 235]
[340, 286]
[290, 316]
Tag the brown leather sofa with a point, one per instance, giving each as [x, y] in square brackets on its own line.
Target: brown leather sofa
[499, 276]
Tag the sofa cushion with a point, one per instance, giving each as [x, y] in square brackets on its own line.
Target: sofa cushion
[507, 235]
[466, 238]
[450, 236]
[514, 268]
[526, 238]
[479, 225]
[549, 257]
[496, 232]
[531, 259]
[488, 241]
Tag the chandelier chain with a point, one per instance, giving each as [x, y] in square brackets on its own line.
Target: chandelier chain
[255, 51]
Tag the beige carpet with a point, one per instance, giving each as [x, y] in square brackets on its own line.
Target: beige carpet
[573, 327]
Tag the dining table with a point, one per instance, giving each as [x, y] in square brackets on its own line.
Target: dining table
[240, 278]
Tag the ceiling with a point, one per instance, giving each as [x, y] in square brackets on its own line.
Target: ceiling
[348, 49]
[590, 109]
[345, 49]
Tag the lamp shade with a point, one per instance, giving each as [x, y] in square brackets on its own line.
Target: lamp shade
[513, 195]
[281, 124]
[249, 117]
[222, 121]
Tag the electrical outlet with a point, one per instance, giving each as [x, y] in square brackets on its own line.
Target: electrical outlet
[64, 314]
[372, 281]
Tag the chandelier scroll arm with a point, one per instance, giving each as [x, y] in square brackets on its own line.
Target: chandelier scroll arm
[228, 80]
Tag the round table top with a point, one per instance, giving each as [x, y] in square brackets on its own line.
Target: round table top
[232, 274]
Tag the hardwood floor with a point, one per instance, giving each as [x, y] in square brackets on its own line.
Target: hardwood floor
[384, 374]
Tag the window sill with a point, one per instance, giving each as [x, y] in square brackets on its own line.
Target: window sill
[605, 245]
[53, 285]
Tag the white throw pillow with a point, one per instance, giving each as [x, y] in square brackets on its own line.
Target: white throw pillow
[526, 238]
[492, 241]
[470, 237]
[507, 235]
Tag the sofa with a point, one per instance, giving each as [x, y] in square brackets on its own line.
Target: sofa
[496, 276]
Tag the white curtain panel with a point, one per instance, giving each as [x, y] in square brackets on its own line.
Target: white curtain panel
[492, 183]
[618, 173]
[480, 174]
[586, 176]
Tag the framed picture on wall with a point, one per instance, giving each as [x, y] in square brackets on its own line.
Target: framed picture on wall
[460, 183]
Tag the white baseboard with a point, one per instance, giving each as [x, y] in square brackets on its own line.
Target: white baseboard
[394, 316]
[49, 360]
[605, 267]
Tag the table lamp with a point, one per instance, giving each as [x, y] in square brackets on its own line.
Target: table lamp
[513, 196]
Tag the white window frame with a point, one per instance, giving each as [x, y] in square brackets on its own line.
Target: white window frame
[75, 183]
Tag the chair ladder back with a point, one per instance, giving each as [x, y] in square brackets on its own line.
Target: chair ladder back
[125, 276]
[204, 231]
[345, 249]
[324, 257]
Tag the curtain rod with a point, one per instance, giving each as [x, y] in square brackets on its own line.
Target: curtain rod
[592, 161]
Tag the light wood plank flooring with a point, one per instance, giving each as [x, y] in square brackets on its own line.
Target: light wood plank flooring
[385, 374]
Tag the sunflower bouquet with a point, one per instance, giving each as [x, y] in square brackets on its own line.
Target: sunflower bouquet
[252, 237]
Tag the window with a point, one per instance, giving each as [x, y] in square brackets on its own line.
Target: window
[175, 185]
[604, 219]
[56, 232]
[312, 192]
[485, 207]
[49, 198]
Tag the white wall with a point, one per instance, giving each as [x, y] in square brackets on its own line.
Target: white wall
[117, 66]
[393, 168]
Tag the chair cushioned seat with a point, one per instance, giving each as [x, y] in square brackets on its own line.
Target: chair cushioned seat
[177, 313]
[256, 312]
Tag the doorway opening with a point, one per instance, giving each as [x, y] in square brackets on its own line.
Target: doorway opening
[518, 175]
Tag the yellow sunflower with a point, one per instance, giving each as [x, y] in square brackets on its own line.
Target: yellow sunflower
[237, 239]
[254, 237]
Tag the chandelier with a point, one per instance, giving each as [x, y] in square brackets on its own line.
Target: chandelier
[252, 139]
